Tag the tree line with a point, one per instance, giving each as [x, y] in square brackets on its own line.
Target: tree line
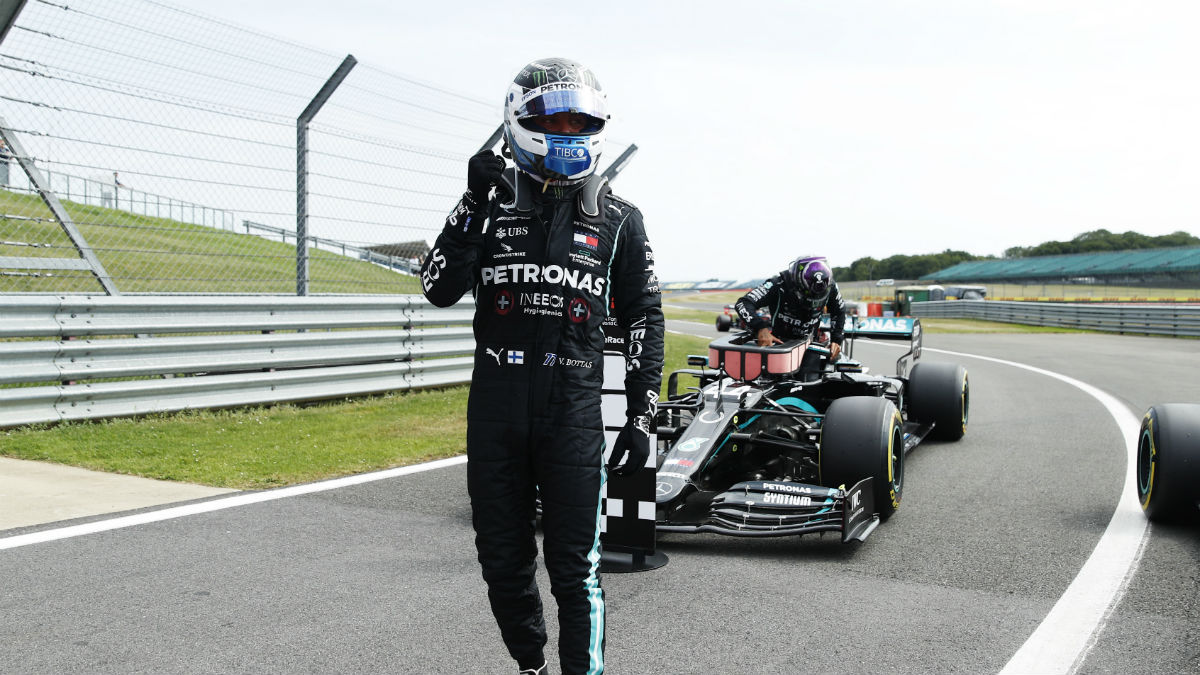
[1096, 241]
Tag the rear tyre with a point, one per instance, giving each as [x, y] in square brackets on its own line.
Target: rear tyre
[860, 437]
[1168, 467]
[724, 321]
[939, 393]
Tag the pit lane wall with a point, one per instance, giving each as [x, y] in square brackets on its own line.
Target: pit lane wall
[88, 357]
[1170, 320]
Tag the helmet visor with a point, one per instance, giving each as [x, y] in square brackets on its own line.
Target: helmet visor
[580, 100]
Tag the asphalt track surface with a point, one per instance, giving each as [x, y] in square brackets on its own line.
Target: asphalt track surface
[381, 576]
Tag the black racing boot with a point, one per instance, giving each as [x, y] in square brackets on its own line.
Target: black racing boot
[540, 670]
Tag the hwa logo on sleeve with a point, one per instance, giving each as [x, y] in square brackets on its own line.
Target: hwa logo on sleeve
[504, 301]
[578, 310]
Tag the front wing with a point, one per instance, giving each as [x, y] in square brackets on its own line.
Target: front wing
[777, 508]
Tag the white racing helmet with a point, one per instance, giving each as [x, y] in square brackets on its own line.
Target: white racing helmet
[546, 87]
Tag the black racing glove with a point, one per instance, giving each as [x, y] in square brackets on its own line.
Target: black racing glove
[483, 171]
[632, 447]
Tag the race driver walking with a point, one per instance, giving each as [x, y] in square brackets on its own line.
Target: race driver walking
[546, 257]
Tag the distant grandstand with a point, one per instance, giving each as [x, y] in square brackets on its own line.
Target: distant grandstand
[1165, 267]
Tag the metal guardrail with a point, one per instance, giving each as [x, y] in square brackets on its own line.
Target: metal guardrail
[87, 357]
[111, 194]
[334, 246]
[1173, 320]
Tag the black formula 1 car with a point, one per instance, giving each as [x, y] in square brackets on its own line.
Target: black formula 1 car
[779, 441]
[1168, 465]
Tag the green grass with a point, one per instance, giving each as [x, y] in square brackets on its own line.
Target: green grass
[697, 315]
[678, 348]
[147, 254]
[259, 447]
[262, 447]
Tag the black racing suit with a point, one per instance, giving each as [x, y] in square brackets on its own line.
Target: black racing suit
[792, 318]
[544, 275]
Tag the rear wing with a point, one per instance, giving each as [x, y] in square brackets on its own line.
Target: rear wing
[885, 328]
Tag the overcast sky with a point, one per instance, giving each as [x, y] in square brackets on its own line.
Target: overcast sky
[843, 127]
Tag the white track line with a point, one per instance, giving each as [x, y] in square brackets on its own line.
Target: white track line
[1070, 630]
[679, 332]
[241, 499]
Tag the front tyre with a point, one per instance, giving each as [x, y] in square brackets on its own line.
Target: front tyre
[860, 437]
[1168, 465]
[724, 321]
[939, 393]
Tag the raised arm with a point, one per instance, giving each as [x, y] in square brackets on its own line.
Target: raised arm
[452, 267]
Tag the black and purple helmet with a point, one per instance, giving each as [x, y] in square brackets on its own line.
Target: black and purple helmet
[810, 277]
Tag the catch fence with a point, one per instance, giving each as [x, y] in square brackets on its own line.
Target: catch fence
[1172, 320]
[159, 146]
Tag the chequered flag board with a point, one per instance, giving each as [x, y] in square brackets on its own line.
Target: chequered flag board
[627, 510]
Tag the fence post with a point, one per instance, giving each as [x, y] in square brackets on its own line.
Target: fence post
[9, 11]
[314, 106]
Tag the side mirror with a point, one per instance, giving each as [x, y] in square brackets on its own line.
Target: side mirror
[698, 361]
